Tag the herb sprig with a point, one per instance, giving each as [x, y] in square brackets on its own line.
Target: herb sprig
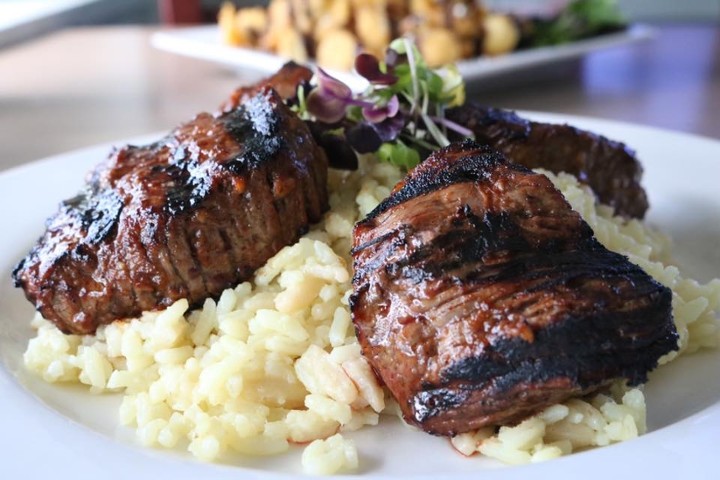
[400, 116]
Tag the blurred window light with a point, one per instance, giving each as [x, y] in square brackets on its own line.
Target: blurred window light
[18, 12]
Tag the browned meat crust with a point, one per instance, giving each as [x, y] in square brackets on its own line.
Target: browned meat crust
[285, 82]
[608, 167]
[480, 297]
[185, 217]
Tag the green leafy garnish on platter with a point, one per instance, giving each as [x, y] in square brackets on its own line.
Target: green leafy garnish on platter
[579, 19]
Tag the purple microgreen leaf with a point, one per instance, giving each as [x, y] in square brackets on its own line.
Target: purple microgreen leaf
[330, 99]
[363, 138]
[393, 106]
[338, 150]
[332, 86]
[390, 128]
[325, 108]
[376, 114]
[369, 67]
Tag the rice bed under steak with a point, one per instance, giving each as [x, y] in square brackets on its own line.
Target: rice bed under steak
[275, 360]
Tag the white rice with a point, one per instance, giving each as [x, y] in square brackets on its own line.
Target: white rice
[275, 362]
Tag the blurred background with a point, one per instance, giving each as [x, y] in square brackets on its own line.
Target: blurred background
[75, 73]
[25, 19]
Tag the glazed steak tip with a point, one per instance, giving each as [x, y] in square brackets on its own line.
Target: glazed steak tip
[609, 168]
[185, 217]
[481, 297]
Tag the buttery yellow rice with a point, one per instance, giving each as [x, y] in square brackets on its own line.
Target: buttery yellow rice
[275, 362]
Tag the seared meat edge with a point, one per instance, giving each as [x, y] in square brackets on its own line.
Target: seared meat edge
[483, 309]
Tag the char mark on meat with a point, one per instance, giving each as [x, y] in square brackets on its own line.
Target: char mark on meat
[480, 297]
[185, 217]
[285, 82]
[608, 167]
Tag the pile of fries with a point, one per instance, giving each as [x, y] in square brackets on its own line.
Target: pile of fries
[333, 32]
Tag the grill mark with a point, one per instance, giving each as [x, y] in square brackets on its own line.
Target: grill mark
[227, 242]
[63, 300]
[558, 351]
[229, 234]
[240, 224]
[425, 179]
[377, 240]
[181, 255]
[88, 305]
[275, 205]
[145, 277]
[215, 257]
[158, 274]
[524, 314]
[310, 186]
[141, 272]
[268, 228]
[180, 278]
[286, 205]
[124, 290]
[176, 286]
[196, 270]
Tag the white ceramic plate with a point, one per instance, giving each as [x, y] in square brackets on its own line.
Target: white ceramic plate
[204, 42]
[49, 431]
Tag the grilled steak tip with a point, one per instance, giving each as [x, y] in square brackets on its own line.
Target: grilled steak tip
[480, 297]
[184, 217]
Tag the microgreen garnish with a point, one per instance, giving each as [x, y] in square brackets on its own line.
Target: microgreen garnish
[369, 67]
[400, 116]
[328, 101]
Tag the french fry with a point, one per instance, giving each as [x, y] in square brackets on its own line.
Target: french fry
[337, 50]
[252, 20]
[229, 33]
[336, 16]
[279, 14]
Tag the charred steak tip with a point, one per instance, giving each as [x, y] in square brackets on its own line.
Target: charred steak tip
[480, 297]
[185, 217]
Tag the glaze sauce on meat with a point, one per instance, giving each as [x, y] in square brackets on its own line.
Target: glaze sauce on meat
[185, 217]
[480, 297]
[285, 82]
[608, 167]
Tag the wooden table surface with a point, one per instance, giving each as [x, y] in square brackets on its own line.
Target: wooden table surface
[85, 86]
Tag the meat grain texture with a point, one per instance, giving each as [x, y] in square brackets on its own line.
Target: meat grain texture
[480, 297]
[185, 217]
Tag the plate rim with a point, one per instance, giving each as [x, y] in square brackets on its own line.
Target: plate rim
[159, 460]
[203, 42]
